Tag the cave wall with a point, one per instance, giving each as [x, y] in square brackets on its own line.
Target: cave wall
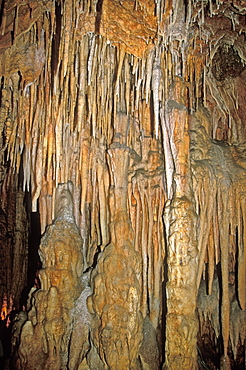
[124, 122]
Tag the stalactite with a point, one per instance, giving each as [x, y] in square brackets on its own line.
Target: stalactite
[205, 217]
[169, 163]
[241, 259]
[149, 64]
[81, 103]
[226, 205]
[156, 79]
[144, 252]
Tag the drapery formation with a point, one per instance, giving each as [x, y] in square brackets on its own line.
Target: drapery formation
[124, 121]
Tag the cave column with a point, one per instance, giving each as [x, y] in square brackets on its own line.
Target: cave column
[117, 294]
[180, 222]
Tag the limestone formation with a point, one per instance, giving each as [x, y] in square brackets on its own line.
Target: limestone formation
[47, 332]
[123, 145]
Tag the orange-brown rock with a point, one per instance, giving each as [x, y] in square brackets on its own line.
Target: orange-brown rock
[131, 24]
[122, 133]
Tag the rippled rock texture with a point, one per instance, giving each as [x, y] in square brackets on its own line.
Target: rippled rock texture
[123, 131]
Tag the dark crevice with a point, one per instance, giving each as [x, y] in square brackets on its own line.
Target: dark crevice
[56, 40]
[152, 115]
[95, 259]
[236, 265]
[34, 237]
[227, 63]
[98, 16]
[1, 12]
[1, 89]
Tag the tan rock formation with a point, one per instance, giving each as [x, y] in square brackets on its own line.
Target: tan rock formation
[46, 334]
[122, 123]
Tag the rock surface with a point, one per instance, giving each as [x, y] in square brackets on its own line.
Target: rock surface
[123, 128]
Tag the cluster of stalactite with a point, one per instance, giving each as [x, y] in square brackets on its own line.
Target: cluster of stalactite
[133, 154]
[221, 237]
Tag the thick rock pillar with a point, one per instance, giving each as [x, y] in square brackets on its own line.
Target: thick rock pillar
[117, 294]
[180, 222]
